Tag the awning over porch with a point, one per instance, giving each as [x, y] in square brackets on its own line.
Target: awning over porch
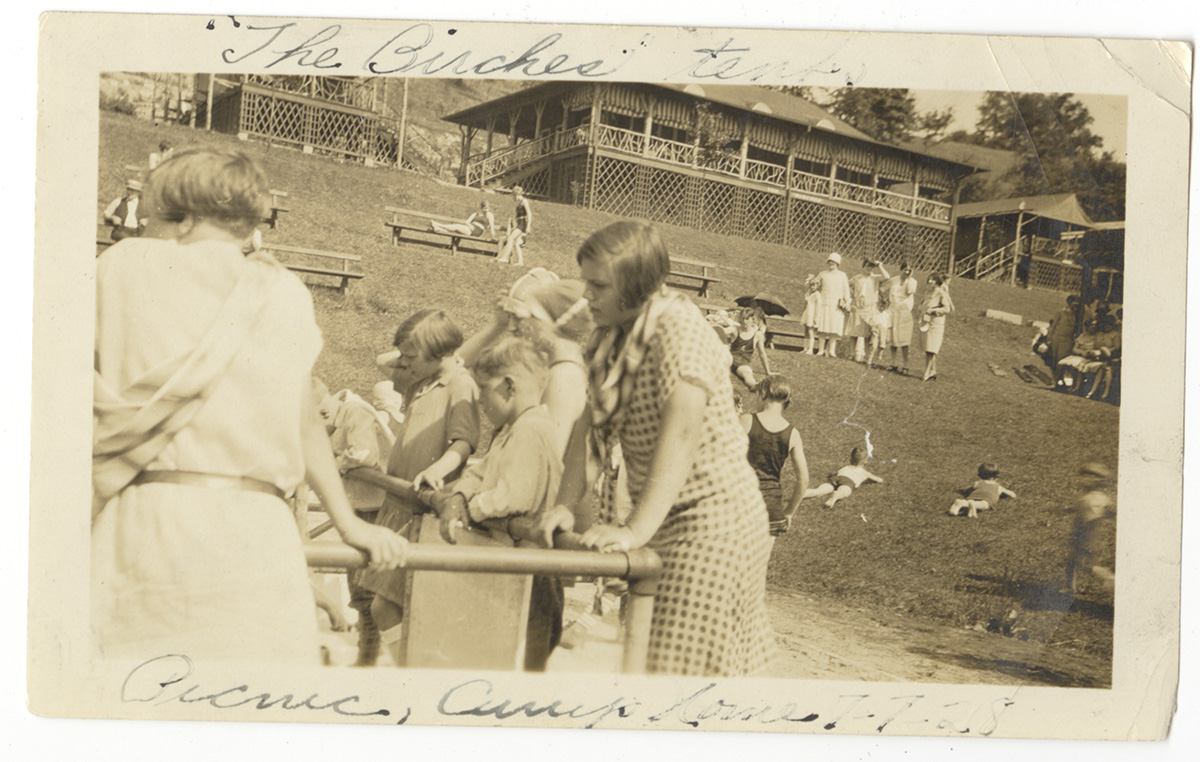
[1062, 207]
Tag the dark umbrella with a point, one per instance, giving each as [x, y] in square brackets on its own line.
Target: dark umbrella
[770, 304]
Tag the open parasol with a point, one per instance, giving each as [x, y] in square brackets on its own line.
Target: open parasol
[770, 304]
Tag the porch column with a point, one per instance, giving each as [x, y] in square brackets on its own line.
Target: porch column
[491, 128]
[513, 116]
[787, 194]
[1012, 276]
[649, 127]
[539, 108]
[744, 149]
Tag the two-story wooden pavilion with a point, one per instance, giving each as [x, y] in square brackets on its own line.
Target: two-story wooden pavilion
[738, 160]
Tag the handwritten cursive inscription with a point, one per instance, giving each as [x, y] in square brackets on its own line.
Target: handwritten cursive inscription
[474, 699]
[413, 51]
[160, 681]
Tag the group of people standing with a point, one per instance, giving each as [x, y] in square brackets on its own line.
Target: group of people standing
[206, 421]
[876, 310]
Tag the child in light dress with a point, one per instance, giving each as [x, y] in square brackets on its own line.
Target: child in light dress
[881, 329]
[812, 306]
[983, 494]
[846, 480]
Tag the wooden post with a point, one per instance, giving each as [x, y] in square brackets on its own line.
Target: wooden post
[404, 127]
[744, 149]
[154, 100]
[593, 136]
[1012, 277]
[208, 102]
[513, 116]
[649, 127]
[491, 128]
[696, 139]
[953, 223]
[538, 109]
[787, 194]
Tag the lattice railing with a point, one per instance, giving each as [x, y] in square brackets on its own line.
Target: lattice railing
[814, 184]
[498, 162]
[1053, 275]
[720, 208]
[672, 151]
[928, 247]
[720, 161]
[762, 216]
[931, 210]
[349, 92]
[323, 130]
[765, 172]
[615, 186]
[665, 196]
[618, 139]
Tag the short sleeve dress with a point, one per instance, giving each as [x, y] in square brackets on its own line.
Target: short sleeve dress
[210, 573]
[710, 614]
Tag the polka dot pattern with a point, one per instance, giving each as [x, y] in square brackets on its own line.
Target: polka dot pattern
[710, 614]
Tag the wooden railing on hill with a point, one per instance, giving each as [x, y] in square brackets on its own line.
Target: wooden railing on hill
[482, 168]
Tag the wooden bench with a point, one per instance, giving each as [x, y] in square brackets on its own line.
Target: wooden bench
[486, 246]
[278, 200]
[342, 272]
[785, 328]
[691, 269]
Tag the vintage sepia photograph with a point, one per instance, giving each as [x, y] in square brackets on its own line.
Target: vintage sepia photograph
[517, 375]
[888, 316]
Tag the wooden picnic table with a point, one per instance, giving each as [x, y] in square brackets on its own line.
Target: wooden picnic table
[485, 246]
[340, 270]
[693, 269]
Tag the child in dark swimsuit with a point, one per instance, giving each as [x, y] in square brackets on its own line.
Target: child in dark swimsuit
[773, 443]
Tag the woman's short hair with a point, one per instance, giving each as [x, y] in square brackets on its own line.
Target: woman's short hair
[221, 186]
[988, 470]
[637, 255]
[937, 278]
[775, 388]
[511, 352]
[432, 332]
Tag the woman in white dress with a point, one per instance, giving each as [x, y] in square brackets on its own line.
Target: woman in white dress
[835, 302]
[204, 422]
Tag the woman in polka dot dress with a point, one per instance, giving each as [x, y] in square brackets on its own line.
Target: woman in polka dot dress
[659, 385]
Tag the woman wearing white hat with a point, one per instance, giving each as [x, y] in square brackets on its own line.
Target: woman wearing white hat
[835, 301]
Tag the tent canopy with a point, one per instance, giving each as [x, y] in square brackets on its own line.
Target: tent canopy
[1063, 207]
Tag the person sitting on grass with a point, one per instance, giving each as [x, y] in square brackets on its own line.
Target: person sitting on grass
[476, 225]
[983, 494]
[750, 339]
[846, 480]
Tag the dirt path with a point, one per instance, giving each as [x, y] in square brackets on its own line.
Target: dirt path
[824, 640]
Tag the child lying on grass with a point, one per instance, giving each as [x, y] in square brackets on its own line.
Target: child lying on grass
[846, 480]
[983, 494]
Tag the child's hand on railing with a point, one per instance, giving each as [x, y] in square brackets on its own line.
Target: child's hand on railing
[386, 548]
[453, 514]
[560, 518]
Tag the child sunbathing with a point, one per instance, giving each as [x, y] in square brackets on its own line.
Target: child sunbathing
[846, 480]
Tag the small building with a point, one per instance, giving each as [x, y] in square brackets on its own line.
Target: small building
[342, 117]
[1032, 241]
[738, 160]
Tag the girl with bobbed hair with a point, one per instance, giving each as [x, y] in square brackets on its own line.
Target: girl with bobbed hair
[659, 386]
[203, 422]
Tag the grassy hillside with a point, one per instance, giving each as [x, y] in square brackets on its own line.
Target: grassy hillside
[889, 546]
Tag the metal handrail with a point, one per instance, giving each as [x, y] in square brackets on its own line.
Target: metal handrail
[641, 567]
